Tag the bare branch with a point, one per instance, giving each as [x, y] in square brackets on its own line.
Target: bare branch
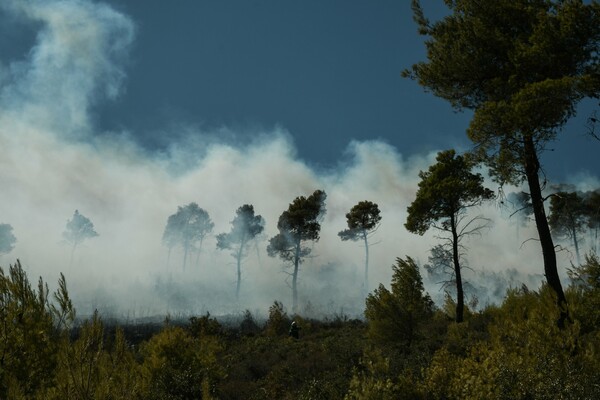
[534, 239]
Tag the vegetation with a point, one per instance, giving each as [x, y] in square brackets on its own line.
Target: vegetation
[446, 191]
[187, 228]
[78, 229]
[297, 225]
[363, 220]
[522, 67]
[406, 349]
[245, 227]
[397, 316]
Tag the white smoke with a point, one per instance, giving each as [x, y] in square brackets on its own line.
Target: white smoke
[53, 162]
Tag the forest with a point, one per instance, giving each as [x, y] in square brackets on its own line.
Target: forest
[521, 67]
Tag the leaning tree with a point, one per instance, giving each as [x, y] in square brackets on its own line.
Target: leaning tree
[299, 224]
[446, 191]
[245, 227]
[363, 220]
[522, 66]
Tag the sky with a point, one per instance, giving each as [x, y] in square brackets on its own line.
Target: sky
[126, 109]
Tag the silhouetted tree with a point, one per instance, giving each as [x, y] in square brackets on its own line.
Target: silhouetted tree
[522, 67]
[244, 228]
[78, 229]
[7, 239]
[298, 224]
[187, 227]
[445, 193]
[363, 220]
[568, 217]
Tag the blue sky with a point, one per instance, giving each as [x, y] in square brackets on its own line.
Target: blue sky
[327, 71]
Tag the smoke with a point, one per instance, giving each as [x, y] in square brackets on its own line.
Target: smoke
[54, 161]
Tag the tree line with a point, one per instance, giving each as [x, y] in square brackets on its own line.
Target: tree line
[297, 227]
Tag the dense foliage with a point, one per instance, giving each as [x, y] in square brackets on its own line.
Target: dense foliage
[406, 349]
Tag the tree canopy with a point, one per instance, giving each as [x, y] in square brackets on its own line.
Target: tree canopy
[78, 229]
[447, 189]
[187, 227]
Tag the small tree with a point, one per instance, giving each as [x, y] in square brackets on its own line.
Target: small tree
[244, 228]
[31, 325]
[298, 225]
[187, 227]
[7, 239]
[396, 316]
[363, 220]
[568, 218]
[446, 191]
[79, 228]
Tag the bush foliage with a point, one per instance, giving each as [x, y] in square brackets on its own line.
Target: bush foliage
[406, 349]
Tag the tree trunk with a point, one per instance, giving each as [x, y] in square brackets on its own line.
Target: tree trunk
[576, 243]
[72, 254]
[239, 270]
[460, 297]
[295, 279]
[185, 254]
[532, 167]
[198, 252]
[366, 262]
[595, 241]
